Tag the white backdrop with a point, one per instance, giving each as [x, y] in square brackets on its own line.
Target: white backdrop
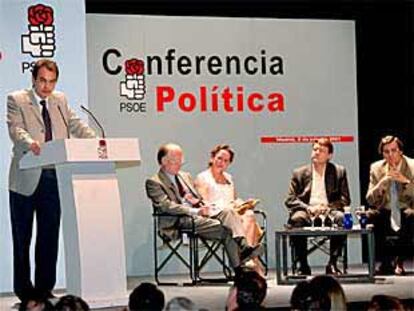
[313, 78]
[21, 43]
[314, 73]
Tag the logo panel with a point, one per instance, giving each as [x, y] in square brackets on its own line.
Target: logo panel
[40, 40]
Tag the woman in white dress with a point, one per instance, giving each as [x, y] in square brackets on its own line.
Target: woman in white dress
[217, 190]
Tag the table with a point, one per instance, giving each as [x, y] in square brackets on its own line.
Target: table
[281, 241]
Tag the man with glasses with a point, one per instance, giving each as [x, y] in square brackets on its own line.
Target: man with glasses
[35, 116]
[172, 191]
[391, 194]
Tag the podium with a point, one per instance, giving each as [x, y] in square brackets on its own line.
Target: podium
[91, 213]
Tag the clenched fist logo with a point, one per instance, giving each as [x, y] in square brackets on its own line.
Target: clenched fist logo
[40, 41]
[134, 85]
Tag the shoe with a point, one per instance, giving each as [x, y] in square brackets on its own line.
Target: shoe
[250, 251]
[385, 269]
[304, 270]
[399, 269]
[332, 269]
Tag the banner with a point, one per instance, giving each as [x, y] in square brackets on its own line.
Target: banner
[30, 30]
[267, 87]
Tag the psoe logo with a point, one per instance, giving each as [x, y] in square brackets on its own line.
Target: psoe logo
[133, 87]
[40, 41]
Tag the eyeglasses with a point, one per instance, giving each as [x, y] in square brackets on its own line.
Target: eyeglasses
[174, 161]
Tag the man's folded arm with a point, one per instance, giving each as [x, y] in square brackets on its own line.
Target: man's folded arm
[376, 191]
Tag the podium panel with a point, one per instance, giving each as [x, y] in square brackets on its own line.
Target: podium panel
[91, 214]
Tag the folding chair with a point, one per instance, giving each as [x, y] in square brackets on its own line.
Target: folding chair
[200, 251]
[261, 218]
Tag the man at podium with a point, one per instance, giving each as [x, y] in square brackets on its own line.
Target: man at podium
[35, 116]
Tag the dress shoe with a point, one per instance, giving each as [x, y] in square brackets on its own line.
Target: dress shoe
[250, 251]
[304, 270]
[333, 270]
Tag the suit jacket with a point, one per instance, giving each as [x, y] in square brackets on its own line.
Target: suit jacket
[166, 199]
[379, 195]
[25, 124]
[336, 185]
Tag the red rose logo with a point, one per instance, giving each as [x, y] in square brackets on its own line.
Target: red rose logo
[40, 14]
[134, 66]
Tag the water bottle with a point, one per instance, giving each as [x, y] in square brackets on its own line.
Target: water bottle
[363, 220]
[348, 221]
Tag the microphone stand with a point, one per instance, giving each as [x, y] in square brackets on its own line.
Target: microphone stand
[94, 119]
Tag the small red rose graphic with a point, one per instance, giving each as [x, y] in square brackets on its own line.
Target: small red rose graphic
[40, 14]
[134, 66]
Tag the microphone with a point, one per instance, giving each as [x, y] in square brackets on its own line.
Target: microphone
[94, 119]
[64, 121]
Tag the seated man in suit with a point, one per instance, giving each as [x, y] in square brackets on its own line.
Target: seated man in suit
[315, 189]
[391, 193]
[172, 191]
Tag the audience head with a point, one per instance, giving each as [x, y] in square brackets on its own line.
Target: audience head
[391, 148]
[385, 302]
[251, 290]
[36, 304]
[170, 157]
[146, 296]
[323, 293]
[180, 304]
[221, 157]
[71, 303]
[327, 293]
[301, 297]
[322, 151]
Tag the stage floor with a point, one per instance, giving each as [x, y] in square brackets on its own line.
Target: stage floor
[213, 297]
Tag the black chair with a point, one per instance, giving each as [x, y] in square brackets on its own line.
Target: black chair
[199, 252]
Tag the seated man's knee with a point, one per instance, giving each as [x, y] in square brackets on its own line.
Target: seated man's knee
[339, 218]
[299, 219]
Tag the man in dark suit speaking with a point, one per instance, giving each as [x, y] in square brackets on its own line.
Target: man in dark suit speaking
[318, 188]
[35, 116]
